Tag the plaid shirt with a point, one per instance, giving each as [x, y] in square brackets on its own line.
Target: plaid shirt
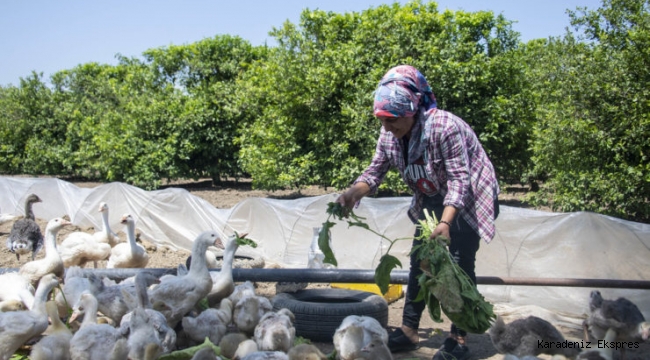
[456, 164]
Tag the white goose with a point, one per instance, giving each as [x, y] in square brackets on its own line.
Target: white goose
[74, 283]
[16, 327]
[230, 342]
[151, 325]
[241, 290]
[182, 293]
[112, 301]
[210, 323]
[353, 337]
[275, 331]
[376, 349]
[222, 281]
[248, 311]
[56, 343]
[306, 352]
[245, 348]
[130, 254]
[79, 248]
[106, 234]
[52, 262]
[92, 340]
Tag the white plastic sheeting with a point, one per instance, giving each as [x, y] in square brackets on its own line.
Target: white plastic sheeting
[528, 243]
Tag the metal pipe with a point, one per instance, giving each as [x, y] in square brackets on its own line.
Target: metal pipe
[368, 277]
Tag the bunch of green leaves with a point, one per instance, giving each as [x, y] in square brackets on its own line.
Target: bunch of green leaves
[20, 354]
[188, 353]
[387, 262]
[445, 286]
[241, 239]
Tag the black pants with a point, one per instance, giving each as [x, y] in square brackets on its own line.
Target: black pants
[463, 247]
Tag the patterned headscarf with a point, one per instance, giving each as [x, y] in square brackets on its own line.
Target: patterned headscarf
[401, 92]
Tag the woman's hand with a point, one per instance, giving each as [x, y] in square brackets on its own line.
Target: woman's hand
[442, 229]
[351, 196]
[347, 199]
[444, 225]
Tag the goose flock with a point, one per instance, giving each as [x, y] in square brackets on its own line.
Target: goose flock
[143, 317]
[617, 323]
[61, 311]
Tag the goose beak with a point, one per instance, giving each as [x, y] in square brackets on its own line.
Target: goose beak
[219, 244]
[73, 317]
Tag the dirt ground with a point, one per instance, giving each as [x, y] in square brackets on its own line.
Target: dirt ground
[227, 195]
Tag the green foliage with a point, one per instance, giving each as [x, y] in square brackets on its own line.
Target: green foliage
[207, 71]
[313, 94]
[119, 126]
[20, 355]
[27, 128]
[241, 241]
[386, 263]
[188, 353]
[570, 113]
[590, 143]
[445, 286]
[171, 116]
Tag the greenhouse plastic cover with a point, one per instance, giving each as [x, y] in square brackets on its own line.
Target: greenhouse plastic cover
[528, 243]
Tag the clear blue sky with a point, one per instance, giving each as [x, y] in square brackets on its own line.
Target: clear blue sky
[48, 36]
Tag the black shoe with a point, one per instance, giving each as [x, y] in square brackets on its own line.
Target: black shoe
[398, 341]
[452, 350]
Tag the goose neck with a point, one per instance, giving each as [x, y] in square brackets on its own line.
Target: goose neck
[41, 294]
[130, 235]
[50, 243]
[229, 256]
[106, 227]
[141, 291]
[199, 263]
[90, 311]
[29, 213]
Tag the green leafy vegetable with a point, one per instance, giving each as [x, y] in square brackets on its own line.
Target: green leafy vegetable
[203, 304]
[444, 286]
[20, 354]
[244, 241]
[188, 353]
